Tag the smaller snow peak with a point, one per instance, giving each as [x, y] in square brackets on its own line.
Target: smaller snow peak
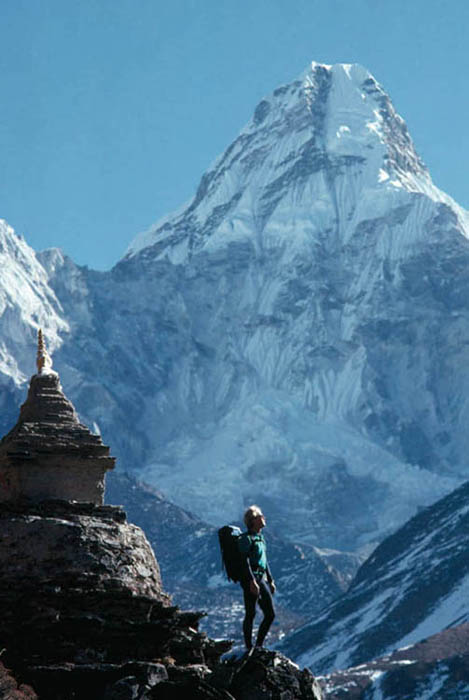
[9, 239]
[8, 235]
[5, 228]
[52, 259]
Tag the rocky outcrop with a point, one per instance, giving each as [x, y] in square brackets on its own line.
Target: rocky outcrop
[81, 601]
[269, 675]
[75, 547]
[264, 676]
[84, 616]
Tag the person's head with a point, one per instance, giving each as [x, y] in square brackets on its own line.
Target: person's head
[254, 518]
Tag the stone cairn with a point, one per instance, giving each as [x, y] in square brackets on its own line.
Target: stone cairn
[82, 609]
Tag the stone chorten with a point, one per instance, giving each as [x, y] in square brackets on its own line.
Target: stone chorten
[82, 606]
[49, 454]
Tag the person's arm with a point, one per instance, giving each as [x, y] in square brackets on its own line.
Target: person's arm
[245, 544]
[270, 579]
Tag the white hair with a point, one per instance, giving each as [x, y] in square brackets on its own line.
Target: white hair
[251, 513]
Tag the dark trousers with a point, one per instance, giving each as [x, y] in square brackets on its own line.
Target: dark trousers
[266, 604]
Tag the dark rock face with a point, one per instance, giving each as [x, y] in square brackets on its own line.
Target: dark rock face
[9, 689]
[79, 548]
[269, 675]
[81, 598]
[265, 676]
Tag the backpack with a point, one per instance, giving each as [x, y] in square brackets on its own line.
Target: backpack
[232, 560]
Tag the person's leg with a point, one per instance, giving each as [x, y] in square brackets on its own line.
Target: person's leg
[249, 614]
[266, 604]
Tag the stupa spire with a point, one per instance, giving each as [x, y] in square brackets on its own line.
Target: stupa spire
[49, 454]
[43, 359]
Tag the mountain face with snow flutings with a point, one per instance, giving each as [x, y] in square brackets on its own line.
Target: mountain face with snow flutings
[296, 169]
[296, 335]
[413, 586]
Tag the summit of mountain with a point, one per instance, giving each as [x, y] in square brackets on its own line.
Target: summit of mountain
[282, 170]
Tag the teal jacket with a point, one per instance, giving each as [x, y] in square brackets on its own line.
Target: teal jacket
[252, 546]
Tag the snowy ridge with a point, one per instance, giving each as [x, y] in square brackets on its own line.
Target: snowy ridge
[413, 586]
[27, 303]
[430, 670]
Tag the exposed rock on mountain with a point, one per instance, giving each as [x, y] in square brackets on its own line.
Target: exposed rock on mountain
[413, 585]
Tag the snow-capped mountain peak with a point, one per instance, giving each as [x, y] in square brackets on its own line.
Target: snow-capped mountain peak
[333, 124]
[27, 303]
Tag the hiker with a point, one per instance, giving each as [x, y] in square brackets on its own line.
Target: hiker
[257, 582]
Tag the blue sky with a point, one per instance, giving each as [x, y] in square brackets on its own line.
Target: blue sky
[112, 109]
